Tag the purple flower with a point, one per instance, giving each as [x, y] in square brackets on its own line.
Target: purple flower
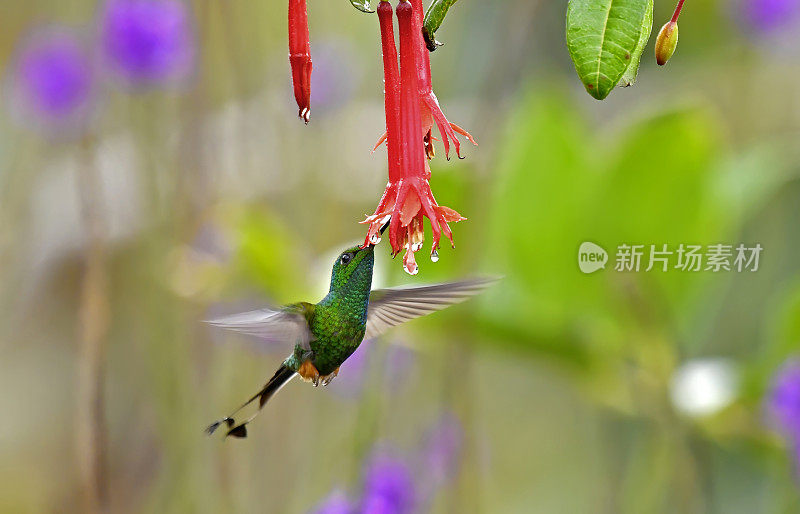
[52, 79]
[336, 503]
[148, 41]
[766, 16]
[388, 486]
[442, 451]
[783, 400]
[392, 487]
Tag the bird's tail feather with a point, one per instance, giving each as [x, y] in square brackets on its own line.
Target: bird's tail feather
[278, 380]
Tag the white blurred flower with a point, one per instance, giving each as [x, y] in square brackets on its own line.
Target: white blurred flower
[702, 387]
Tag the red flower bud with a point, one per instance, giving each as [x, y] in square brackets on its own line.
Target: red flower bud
[667, 39]
[300, 56]
[666, 42]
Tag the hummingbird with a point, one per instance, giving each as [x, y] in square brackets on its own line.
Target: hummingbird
[326, 333]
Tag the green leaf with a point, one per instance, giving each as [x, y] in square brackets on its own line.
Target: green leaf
[433, 20]
[619, 184]
[362, 5]
[629, 77]
[602, 36]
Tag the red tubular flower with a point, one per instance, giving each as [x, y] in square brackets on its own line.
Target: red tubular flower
[431, 111]
[391, 102]
[300, 56]
[407, 199]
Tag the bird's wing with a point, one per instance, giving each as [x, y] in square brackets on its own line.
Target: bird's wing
[391, 307]
[276, 326]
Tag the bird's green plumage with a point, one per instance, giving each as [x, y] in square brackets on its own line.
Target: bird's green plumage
[338, 322]
[327, 333]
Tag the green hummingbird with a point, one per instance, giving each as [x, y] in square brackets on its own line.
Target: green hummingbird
[325, 334]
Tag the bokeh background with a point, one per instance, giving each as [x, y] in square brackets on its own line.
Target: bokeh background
[154, 174]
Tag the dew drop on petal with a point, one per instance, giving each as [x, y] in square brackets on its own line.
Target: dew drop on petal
[375, 239]
[434, 256]
[412, 269]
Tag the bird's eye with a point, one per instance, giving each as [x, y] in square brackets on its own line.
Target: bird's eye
[346, 258]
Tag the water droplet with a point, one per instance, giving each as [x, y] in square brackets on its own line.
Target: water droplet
[375, 239]
[434, 256]
[411, 269]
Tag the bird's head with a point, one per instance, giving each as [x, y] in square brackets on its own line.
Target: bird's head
[353, 268]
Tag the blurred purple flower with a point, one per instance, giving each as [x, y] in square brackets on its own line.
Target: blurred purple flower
[354, 372]
[336, 503]
[388, 486]
[783, 400]
[399, 362]
[766, 16]
[392, 487]
[442, 451]
[212, 243]
[52, 79]
[336, 74]
[148, 42]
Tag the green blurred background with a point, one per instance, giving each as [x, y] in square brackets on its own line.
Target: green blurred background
[213, 197]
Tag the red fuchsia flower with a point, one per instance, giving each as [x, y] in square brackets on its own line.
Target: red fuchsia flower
[431, 111]
[300, 56]
[408, 199]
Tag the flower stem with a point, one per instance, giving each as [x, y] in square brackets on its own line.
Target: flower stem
[91, 425]
[677, 12]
